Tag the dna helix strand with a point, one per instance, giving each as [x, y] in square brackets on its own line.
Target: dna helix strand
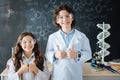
[101, 40]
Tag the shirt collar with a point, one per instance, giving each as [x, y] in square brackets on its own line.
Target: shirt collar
[71, 32]
[23, 55]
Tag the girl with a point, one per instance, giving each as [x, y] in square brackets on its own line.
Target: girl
[28, 62]
[67, 49]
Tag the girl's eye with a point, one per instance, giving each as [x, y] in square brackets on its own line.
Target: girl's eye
[30, 41]
[22, 42]
[59, 17]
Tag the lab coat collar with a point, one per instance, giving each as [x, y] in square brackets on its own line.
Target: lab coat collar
[60, 38]
[72, 31]
[23, 55]
[75, 39]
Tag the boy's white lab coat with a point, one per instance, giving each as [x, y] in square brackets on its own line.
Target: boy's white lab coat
[68, 69]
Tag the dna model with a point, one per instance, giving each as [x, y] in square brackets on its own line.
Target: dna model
[101, 40]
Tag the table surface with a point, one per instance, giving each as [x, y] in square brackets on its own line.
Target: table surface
[87, 71]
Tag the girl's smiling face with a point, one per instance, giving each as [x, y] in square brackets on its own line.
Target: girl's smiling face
[27, 44]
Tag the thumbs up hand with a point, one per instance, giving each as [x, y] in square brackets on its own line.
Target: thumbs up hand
[59, 54]
[23, 68]
[33, 68]
[71, 53]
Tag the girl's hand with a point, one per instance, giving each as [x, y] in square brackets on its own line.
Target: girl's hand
[23, 68]
[33, 68]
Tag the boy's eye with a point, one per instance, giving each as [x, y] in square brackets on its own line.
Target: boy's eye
[67, 16]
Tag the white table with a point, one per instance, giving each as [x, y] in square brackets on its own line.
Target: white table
[88, 74]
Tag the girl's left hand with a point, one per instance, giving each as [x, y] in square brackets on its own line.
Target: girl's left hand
[33, 68]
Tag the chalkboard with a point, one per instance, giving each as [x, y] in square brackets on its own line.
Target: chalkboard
[35, 16]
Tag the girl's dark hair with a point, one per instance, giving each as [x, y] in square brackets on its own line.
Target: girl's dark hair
[39, 57]
[58, 9]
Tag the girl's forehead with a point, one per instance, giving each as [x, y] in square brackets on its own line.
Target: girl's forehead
[27, 38]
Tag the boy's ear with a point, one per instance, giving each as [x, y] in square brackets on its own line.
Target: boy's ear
[73, 19]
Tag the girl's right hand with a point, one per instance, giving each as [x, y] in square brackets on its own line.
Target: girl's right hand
[23, 68]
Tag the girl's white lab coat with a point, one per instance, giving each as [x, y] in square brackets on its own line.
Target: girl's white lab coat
[42, 75]
[68, 69]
